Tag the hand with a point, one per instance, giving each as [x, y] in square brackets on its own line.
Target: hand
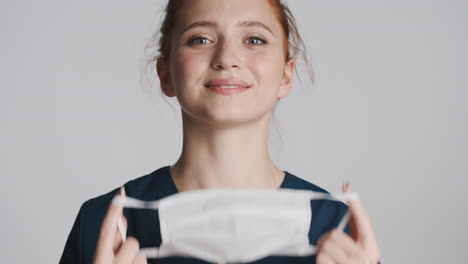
[110, 247]
[336, 247]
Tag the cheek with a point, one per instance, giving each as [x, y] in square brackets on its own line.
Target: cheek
[187, 66]
[268, 68]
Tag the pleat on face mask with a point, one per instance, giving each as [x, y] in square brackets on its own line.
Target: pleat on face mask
[234, 225]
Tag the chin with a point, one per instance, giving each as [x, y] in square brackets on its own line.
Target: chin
[225, 115]
[231, 120]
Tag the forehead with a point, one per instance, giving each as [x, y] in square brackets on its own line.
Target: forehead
[227, 12]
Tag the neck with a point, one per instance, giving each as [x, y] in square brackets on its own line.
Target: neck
[222, 157]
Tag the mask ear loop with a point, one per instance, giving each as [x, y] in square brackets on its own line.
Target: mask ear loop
[343, 197]
[129, 202]
[344, 221]
[122, 231]
[347, 196]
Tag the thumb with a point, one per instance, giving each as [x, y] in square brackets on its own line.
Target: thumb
[359, 224]
[107, 234]
[121, 235]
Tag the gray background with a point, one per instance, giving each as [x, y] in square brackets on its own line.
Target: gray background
[388, 111]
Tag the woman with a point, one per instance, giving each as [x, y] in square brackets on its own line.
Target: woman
[228, 63]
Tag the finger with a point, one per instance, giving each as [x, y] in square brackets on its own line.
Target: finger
[109, 228]
[120, 236]
[323, 258]
[140, 259]
[339, 246]
[360, 224]
[346, 243]
[128, 251]
[346, 185]
[322, 240]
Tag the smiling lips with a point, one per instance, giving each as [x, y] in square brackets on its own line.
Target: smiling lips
[227, 86]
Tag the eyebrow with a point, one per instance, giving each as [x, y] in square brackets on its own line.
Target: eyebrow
[205, 23]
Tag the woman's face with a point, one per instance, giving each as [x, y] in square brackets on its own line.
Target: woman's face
[222, 44]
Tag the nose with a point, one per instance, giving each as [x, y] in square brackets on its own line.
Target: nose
[226, 56]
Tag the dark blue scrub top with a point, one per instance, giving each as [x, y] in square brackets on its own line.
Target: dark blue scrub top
[144, 224]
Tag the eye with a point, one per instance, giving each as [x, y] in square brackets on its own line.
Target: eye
[198, 40]
[255, 41]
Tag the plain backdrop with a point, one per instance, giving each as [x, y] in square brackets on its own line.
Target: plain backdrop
[388, 111]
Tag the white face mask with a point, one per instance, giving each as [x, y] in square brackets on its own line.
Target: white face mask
[234, 225]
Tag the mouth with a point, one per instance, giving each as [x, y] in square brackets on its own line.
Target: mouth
[228, 84]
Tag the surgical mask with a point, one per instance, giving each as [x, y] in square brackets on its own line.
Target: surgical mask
[234, 225]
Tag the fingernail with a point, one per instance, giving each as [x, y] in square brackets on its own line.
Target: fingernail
[346, 184]
[118, 197]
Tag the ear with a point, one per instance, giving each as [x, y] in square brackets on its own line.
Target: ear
[286, 81]
[162, 68]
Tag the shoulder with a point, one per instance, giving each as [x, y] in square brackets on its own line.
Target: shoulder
[326, 214]
[152, 186]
